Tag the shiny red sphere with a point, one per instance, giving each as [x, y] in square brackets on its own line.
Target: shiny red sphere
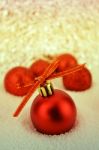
[38, 67]
[17, 76]
[54, 114]
[67, 62]
[78, 81]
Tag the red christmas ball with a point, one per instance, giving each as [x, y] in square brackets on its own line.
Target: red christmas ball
[78, 81]
[38, 67]
[67, 62]
[53, 114]
[17, 76]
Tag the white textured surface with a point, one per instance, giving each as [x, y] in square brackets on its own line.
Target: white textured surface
[55, 26]
[19, 134]
[48, 27]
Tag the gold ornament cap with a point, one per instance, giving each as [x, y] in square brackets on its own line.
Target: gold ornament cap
[46, 89]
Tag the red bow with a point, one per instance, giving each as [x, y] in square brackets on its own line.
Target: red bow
[48, 74]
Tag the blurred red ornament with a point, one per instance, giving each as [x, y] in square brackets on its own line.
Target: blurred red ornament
[54, 114]
[18, 76]
[78, 81]
[67, 61]
[38, 67]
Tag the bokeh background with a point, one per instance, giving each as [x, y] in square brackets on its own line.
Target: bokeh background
[31, 29]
